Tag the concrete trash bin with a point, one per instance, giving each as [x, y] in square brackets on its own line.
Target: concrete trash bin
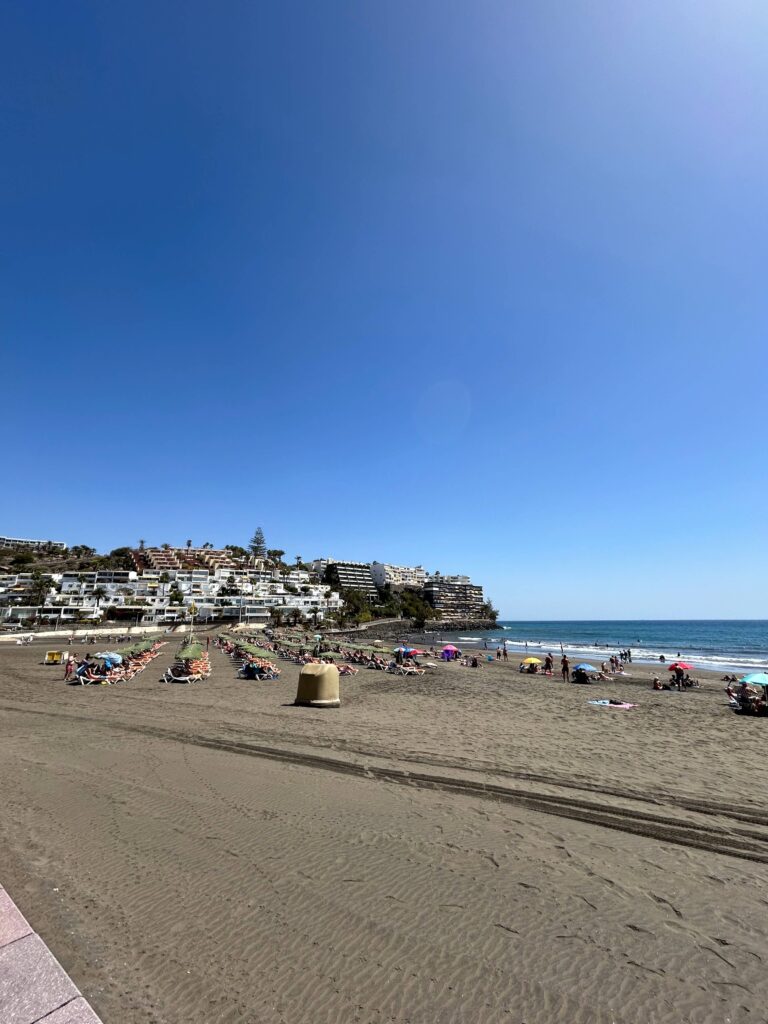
[318, 687]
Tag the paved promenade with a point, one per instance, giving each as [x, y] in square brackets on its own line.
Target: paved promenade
[34, 988]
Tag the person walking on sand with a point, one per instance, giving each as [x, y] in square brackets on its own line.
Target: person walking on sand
[565, 668]
[69, 668]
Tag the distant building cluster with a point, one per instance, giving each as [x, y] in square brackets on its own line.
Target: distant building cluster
[453, 597]
[31, 545]
[167, 584]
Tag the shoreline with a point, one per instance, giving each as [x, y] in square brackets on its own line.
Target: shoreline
[702, 662]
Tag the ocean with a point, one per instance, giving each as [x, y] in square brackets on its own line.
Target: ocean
[705, 643]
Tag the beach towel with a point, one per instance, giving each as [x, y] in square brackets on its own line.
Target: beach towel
[611, 704]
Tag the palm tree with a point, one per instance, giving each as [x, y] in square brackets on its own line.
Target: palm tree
[141, 545]
[298, 561]
[99, 593]
[166, 546]
[189, 544]
[39, 588]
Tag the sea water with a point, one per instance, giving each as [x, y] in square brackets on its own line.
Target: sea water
[705, 643]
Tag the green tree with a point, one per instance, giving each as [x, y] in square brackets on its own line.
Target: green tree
[356, 607]
[489, 612]
[39, 588]
[415, 607]
[141, 545]
[275, 555]
[23, 558]
[120, 558]
[189, 544]
[82, 551]
[229, 588]
[258, 546]
[276, 616]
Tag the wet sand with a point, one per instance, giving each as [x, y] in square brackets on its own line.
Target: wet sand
[471, 846]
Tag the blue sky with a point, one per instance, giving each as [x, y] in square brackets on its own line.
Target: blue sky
[480, 286]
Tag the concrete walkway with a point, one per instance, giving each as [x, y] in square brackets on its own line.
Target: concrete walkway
[34, 988]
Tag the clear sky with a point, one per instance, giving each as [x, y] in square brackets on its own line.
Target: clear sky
[477, 285]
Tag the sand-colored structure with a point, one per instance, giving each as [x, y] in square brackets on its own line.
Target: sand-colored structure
[318, 687]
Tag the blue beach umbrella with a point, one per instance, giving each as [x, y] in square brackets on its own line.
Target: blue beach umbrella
[586, 667]
[756, 678]
[113, 656]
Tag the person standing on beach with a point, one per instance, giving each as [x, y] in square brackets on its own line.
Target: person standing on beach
[565, 668]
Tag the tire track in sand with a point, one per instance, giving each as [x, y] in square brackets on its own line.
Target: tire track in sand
[736, 841]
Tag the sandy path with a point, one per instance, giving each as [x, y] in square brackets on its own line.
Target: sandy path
[178, 882]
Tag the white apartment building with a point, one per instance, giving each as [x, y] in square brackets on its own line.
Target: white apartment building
[31, 545]
[398, 576]
[165, 596]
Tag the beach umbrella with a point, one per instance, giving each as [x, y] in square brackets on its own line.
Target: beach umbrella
[414, 650]
[117, 658]
[450, 647]
[679, 664]
[532, 661]
[586, 668]
[755, 678]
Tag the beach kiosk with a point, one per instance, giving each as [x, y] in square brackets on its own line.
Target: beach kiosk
[318, 687]
[55, 657]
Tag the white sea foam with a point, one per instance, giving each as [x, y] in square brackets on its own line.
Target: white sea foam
[704, 660]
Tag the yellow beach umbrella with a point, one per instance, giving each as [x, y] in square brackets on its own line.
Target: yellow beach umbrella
[532, 661]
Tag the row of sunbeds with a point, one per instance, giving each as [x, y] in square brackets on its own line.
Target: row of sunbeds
[189, 670]
[131, 666]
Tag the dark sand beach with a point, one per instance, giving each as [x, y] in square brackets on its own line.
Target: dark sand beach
[470, 846]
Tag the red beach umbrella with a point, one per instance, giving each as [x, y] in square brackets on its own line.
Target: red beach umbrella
[680, 664]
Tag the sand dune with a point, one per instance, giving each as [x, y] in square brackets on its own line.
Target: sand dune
[458, 849]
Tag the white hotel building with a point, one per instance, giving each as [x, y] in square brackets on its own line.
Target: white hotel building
[150, 597]
[398, 575]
